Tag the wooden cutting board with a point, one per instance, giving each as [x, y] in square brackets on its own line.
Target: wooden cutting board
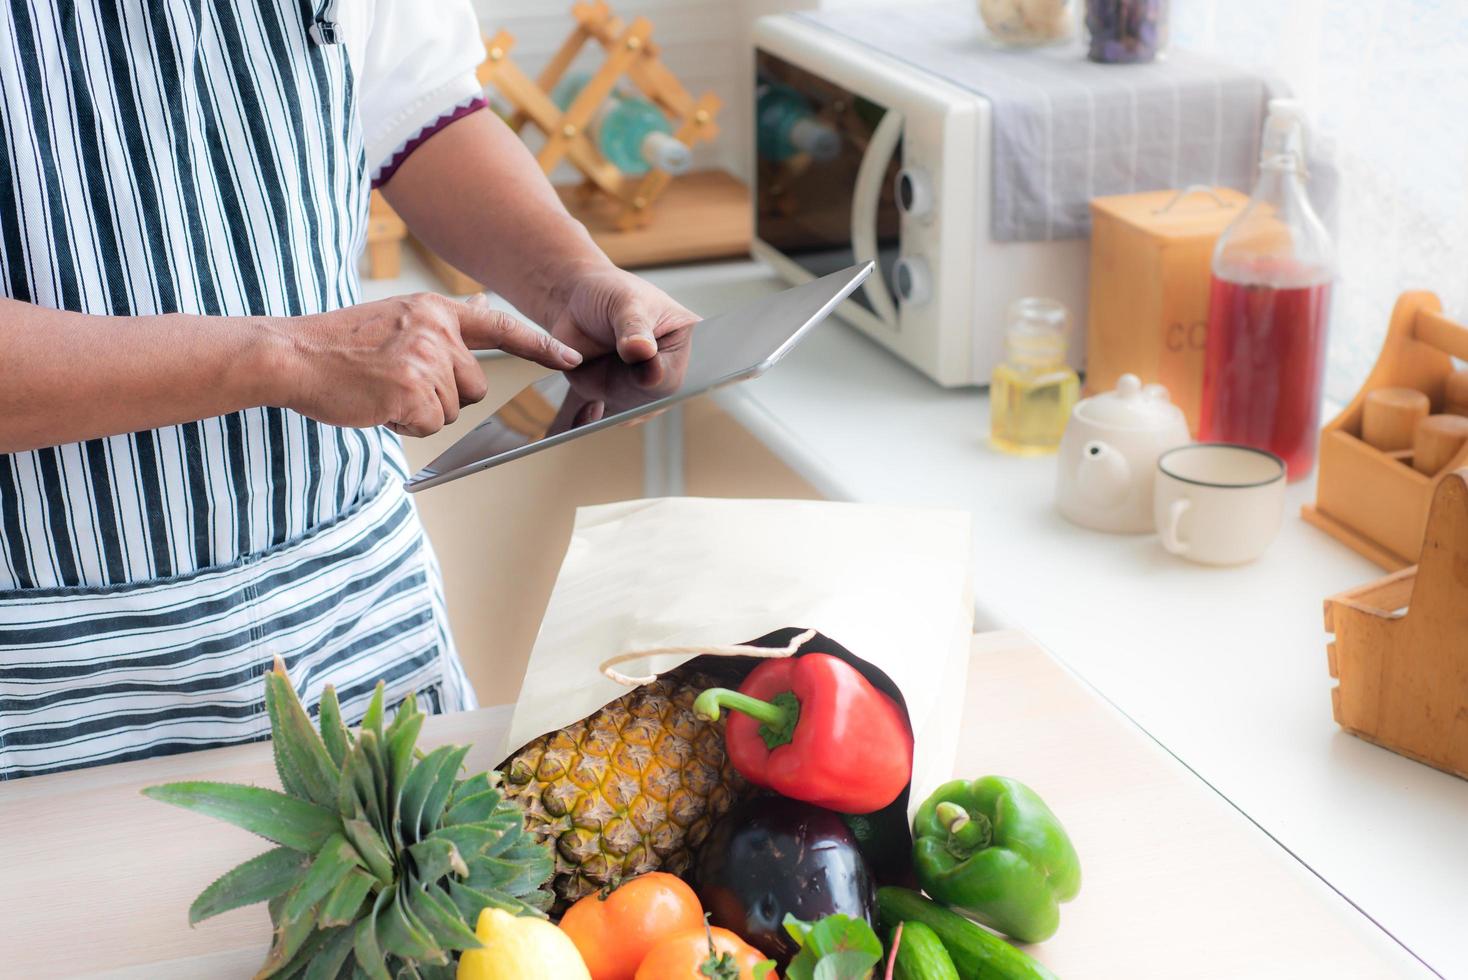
[96, 879]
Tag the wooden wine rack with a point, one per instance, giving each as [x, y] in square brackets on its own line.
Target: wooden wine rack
[631, 54]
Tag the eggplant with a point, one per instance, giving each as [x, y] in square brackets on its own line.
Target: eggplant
[772, 856]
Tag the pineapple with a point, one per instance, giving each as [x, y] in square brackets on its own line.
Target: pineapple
[631, 789]
[385, 856]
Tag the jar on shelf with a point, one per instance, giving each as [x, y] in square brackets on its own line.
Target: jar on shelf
[1029, 23]
[1126, 31]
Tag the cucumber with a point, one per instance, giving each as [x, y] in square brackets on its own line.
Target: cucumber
[976, 952]
[921, 956]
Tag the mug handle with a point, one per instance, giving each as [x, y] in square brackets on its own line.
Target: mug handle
[1170, 539]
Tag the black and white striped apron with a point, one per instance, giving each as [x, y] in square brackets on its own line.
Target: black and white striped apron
[196, 156]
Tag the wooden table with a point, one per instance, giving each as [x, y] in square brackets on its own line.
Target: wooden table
[95, 879]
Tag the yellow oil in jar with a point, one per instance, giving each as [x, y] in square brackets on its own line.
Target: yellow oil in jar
[1033, 390]
[1028, 412]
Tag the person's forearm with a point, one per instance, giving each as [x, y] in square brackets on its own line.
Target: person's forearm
[403, 362]
[474, 194]
[66, 377]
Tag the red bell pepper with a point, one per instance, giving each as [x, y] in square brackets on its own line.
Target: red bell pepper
[814, 729]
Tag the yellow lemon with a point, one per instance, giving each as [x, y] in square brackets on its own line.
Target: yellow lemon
[521, 948]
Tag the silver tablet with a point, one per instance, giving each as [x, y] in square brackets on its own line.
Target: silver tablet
[604, 392]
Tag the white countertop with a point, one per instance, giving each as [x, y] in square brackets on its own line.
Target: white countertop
[75, 841]
[1223, 667]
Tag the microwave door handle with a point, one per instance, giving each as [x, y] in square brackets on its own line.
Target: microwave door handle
[864, 205]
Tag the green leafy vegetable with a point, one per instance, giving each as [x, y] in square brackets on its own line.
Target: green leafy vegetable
[837, 947]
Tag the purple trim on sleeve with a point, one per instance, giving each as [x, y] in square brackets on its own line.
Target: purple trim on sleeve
[385, 172]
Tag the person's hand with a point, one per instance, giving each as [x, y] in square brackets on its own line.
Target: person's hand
[622, 386]
[608, 309]
[404, 362]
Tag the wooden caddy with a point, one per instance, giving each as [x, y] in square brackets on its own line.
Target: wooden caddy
[1404, 676]
[1373, 501]
[630, 52]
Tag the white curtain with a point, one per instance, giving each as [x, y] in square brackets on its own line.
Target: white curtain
[1386, 86]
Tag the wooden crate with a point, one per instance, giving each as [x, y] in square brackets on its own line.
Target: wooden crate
[1404, 675]
[1373, 501]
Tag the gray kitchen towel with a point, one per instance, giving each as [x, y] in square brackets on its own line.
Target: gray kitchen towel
[1066, 129]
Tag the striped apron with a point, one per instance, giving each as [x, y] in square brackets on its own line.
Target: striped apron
[200, 156]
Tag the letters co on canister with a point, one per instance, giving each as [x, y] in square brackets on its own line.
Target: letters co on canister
[1148, 309]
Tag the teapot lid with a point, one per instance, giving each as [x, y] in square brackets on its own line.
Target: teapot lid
[1131, 405]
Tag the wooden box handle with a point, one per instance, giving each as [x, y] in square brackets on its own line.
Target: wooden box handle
[1436, 330]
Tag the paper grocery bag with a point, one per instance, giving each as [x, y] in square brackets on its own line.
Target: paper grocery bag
[647, 585]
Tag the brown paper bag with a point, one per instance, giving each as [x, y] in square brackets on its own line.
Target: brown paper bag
[647, 585]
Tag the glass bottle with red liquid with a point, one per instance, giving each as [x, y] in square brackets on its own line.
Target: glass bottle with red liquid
[1269, 309]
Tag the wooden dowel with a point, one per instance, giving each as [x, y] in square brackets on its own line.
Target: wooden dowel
[1455, 393]
[1437, 440]
[1436, 330]
[1390, 415]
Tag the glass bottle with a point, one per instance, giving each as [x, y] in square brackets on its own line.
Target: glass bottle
[786, 126]
[631, 132]
[1269, 307]
[1033, 389]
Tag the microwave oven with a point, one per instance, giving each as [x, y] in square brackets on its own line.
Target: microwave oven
[860, 156]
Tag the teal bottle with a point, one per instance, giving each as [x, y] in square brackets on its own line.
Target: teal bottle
[786, 127]
[631, 132]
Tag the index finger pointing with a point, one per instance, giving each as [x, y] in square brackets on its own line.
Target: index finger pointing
[485, 329]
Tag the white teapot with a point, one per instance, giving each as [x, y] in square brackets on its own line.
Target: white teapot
[1108, 456]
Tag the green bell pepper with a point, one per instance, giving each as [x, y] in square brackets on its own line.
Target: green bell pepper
[991, 848]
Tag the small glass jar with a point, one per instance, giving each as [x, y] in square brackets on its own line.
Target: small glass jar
[1033, 389]
[1029, 23]
[1125, 32]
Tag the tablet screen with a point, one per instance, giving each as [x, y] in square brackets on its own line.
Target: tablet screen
[604, 391]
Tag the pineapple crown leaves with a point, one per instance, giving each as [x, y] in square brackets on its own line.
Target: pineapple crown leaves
[385, 855]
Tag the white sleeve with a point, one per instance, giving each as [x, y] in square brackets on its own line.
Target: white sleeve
[414, 63]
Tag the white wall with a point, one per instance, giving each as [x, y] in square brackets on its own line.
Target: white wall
[1386, 85]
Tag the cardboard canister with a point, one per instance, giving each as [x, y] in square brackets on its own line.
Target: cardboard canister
[1150, 276]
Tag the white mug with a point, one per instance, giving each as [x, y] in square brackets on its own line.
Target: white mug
[1217, 503]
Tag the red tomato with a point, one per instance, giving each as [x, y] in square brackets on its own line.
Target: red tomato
[616, 932]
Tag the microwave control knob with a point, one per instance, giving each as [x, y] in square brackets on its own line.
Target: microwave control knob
[914, 192]
[912, 281]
